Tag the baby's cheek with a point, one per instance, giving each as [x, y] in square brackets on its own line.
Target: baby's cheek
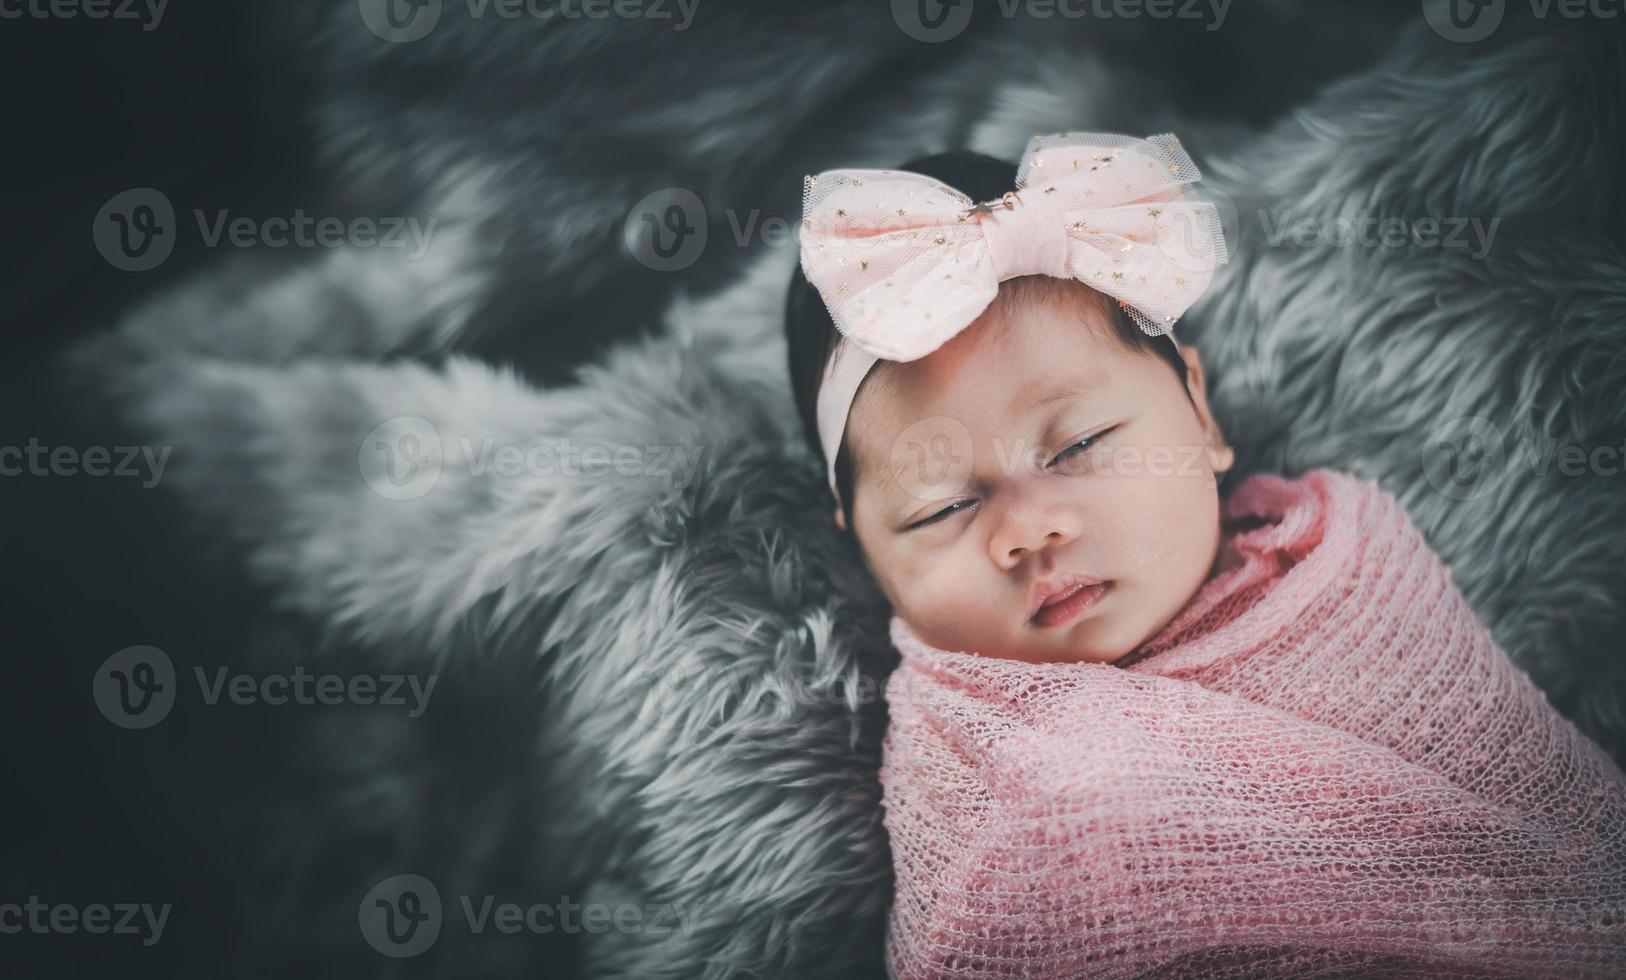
[1175, 532]
[946, 597]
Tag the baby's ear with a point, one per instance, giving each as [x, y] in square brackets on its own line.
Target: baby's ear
[1194, 372]
[1197, 386]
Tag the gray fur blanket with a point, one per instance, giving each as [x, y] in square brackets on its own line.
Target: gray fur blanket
[1428, 288]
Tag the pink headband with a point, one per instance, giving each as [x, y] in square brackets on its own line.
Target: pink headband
[905, 262]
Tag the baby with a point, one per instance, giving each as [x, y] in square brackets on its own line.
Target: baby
[1138, 728]
[1043, 485]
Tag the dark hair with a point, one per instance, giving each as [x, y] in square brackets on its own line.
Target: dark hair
[811, 334]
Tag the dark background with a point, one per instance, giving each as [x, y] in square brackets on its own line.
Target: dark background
[207, 808]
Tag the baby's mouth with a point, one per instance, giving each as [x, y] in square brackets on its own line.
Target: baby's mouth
[1070, 602]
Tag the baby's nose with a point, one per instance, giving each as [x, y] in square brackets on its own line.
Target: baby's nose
[1019, 539]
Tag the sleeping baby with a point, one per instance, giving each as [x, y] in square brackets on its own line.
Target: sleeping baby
[1141, 725]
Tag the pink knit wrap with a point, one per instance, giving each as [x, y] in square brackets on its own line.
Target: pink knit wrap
[1323, 766]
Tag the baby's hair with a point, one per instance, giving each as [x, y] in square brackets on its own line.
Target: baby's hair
[811, 334]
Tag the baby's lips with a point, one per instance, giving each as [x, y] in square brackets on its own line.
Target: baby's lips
[1047, 589]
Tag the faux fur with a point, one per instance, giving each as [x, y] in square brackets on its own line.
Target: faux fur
[544, 133]
[747, 795]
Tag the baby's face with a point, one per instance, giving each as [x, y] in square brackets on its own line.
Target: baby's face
[1034, 452]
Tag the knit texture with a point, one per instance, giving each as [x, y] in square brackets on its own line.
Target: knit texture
[1324, 766]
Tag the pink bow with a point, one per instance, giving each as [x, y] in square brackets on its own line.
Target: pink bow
[904, 262]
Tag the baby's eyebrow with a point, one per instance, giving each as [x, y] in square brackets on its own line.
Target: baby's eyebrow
[1070, 387]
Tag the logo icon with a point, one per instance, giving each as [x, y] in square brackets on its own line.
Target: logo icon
[1187, 235]
[666, 230]
[674, 695]
[135, 230]
[1464, 21]
[401, 458]
[1463, 456]
[932, 21]
[401, 915]
[400, 21]
[932, 457]
[135, 687]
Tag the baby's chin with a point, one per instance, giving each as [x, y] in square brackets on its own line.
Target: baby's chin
[1091, 640]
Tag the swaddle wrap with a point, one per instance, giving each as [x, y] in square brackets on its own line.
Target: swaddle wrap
[1324, 765]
